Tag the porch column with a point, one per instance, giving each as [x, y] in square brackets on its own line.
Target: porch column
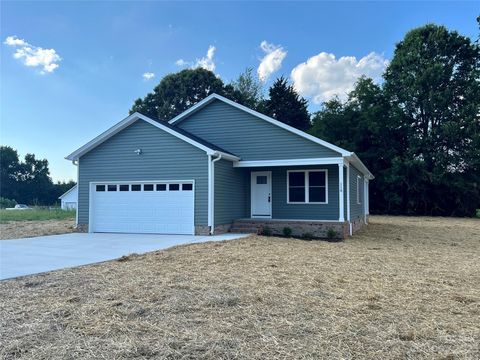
[341, 216]
[348, 191]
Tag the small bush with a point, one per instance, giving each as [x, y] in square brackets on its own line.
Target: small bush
[7, 203]
[287, 231]
[266, 231]
[308, 236]
[331, 234]
[478, 213]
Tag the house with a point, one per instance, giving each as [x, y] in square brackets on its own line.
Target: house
[69, 199]
[216, 167]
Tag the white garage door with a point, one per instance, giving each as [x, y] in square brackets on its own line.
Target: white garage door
[143, 207]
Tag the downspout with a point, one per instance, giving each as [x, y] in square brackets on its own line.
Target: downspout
[77, 164]
[212, 200]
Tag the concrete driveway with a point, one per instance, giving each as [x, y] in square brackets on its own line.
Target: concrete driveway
[45, 253]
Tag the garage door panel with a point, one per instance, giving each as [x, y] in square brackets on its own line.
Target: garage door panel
[167, 212]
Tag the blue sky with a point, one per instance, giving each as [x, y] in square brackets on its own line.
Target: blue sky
[51, 106]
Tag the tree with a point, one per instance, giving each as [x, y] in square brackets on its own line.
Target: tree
[249, 89]
[9, 168]
[433, 83]
[177, 92]
[287, 106]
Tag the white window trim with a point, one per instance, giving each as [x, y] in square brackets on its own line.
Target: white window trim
[359, 200]
[307, 171]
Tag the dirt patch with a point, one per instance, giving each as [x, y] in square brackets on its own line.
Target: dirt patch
[26, 229]
[401, 288]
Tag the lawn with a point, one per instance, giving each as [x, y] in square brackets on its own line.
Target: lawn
[15, 224]
[401, 288]
[36, 214]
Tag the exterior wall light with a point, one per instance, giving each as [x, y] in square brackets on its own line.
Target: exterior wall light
[138, 151]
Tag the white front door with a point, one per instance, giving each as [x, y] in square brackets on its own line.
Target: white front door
[261, 194]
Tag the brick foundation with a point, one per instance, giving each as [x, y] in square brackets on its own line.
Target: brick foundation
[357, 224]
[299, 228]
[202, 230]
[81, 228]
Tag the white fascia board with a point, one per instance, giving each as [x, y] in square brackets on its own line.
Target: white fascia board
[67, 192]
[303, 134]
[289, 162]
[355, 160]
[128, 121]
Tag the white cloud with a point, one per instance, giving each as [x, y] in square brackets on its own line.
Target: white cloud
[323, 76]
[205, 62]
[34, 56]
[272, 61]
[14, 41]
[148, 75]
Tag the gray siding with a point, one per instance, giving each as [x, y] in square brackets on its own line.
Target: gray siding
[249, 137]
[356, 210]
[282, 210]
[164, 157]
[230, 193]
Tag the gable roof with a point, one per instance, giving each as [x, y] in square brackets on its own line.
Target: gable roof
[68, 192]
[303, 134]
[209, 148]
[352, 157]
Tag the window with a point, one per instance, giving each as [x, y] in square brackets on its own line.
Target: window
[112, 187]
[358, 189]
[307, 186]
[148, 187]
[261, 180]
[136, 187]
[161, 187]
[100, 188]
[187, 187]
[124, 187]
[174, 187]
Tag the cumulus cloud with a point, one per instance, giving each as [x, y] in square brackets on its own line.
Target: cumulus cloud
[205, 62]
[34, 56]
[323, 76]
[272, 61]
[148, 75]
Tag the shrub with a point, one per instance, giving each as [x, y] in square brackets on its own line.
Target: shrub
[287, 231]
[308, 236]
[331, 234]
[266, 231]
[478, 213]
[7, 203]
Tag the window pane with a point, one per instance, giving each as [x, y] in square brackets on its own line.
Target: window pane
[112, 187]
[316, 194]
[316, 178]
[296, 178]
[148, 187]
[296, 194]
[261, 179]
[136, 187]
[161, 187]
[100, 187]
[187, 187]
[174, 187]
[123, 187]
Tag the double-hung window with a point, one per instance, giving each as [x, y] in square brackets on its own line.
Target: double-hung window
[307, 187]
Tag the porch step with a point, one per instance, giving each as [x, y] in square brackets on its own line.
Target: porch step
[246, 226]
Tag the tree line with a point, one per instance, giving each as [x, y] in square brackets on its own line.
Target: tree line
[27, 181]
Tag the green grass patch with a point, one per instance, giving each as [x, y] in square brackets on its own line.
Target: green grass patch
[36, 214]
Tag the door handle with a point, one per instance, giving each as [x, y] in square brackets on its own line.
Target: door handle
[268, 197]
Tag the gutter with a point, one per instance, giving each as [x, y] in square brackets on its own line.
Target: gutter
[212, 197]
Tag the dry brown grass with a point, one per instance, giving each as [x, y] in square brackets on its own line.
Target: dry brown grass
[402, 288]
[26, 229]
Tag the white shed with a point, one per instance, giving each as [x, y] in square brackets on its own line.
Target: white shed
[70, 198]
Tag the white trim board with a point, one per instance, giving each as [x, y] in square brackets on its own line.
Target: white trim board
[130, 120]
[289, 162]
